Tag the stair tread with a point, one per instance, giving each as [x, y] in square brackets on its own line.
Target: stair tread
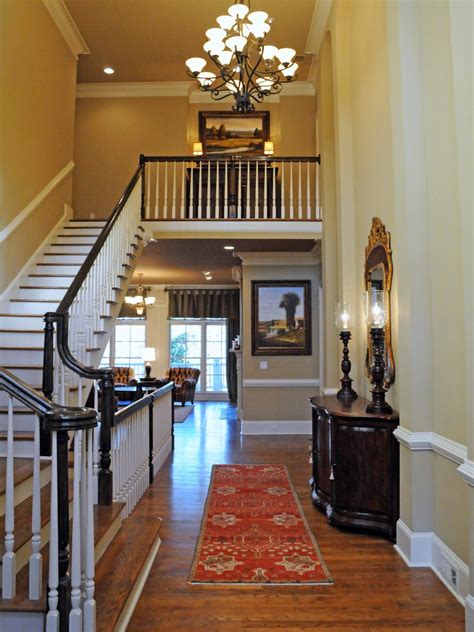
[10, 315]
[43, 287]
[25, 435]
[23, 366]
[121, 565]
[34, 300]
[103, 519]
[23, 470]
[52, 276]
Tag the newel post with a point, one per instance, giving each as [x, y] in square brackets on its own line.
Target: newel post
[142, 203]
[106, 421]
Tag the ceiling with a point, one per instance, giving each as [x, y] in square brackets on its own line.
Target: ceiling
[183, 261]
[149, 40]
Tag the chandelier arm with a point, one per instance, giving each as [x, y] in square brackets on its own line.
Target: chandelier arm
[252, 70]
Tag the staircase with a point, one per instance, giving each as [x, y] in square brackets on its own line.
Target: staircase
[41, 290]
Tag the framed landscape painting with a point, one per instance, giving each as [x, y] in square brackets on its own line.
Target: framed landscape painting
[227, 133]
[281, 317]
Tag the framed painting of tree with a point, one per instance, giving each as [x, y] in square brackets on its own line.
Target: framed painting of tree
[233, 133]
[281, 317]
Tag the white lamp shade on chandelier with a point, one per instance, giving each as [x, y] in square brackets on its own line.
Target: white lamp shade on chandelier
[140, 300]
[242, 65]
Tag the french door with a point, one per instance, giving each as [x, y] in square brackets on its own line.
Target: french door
[201, 344]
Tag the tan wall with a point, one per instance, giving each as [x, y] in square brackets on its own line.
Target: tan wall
[289, 403]
[111, 133]
[37, 93]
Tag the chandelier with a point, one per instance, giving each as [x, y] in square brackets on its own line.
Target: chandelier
[245, 67]
[140, 300]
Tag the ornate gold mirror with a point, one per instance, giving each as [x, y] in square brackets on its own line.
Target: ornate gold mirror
[378, 275]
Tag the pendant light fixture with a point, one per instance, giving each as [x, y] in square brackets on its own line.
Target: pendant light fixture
[242, 65]
[140, 300]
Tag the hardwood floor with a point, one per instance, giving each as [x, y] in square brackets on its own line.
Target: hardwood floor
[374, 590]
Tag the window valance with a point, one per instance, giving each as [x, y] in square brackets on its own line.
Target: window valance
[218, 303]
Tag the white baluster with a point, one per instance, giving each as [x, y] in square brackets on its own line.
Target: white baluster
[248, 190]
[226, 192]
[300, 195]
[9, 558]
[52, 618]
[191, 194]
[165, 194]
[208, 206]
[148, 189]
[89, 603]
[200, 191]
[274, 208]
[183, 191]
[173, 208]
[257, 211]
[217, 190]
[265, 192]
[157, 190]
[239, 192]
[318, 208]
[283, 190]
[292, 206]
[35, 568]
[75, 615]
[308, 192]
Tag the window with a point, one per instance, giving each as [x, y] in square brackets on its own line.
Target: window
[201, 344]
[125, 348]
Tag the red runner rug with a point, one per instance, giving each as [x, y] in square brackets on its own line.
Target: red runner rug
[254, 531]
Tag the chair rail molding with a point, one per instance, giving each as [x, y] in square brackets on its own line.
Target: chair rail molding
[68, 28]
[466, 470]
[35, 202]
[280, 383]
[417, 441]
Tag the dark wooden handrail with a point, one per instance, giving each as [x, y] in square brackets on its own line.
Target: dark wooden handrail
[135, 406]
[233, 158]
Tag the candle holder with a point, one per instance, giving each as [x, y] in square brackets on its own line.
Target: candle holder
[343, 320]
[378, 404]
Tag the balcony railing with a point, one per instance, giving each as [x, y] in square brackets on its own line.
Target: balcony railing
[180, 188]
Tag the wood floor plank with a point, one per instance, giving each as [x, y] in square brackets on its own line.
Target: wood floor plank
[374, 590]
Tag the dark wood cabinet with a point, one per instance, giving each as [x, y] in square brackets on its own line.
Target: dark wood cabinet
[355, 465]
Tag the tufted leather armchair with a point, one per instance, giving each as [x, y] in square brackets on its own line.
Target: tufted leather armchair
[185, 380]
[124, 376]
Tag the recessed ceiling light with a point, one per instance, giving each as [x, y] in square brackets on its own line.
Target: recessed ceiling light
[229, 247]
[108, 70]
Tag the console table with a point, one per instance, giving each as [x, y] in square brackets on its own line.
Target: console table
[355, 465]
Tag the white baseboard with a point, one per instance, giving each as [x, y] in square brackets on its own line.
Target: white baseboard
[277, 427]
[427, 550]
[469, 605]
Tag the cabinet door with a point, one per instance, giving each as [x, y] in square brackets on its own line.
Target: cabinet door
[322, 465]
[362, 468]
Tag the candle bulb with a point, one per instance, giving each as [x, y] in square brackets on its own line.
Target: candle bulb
[343, 321]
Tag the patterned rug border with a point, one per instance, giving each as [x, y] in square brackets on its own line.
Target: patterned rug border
[197, 549]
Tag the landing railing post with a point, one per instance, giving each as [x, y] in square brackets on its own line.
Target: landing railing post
[63, 529]
[105, 473]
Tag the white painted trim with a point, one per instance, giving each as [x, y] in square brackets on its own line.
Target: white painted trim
[427, 550]
[13, 286]
[187, 89]
[68, 28]
[36, 201]
[432, 441]
[133, 89]
[469, 605]
[305, 229]
[276, 427]
[466, 470]
[305, 383]
[161, 455]
[279, 258]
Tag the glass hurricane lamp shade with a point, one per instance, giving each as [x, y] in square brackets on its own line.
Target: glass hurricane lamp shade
[288, 71]
[206, 78]
[265, 84]
[268, 148]
[237, 43]
[195, 64]
[343, 314]
[238, 11]
[216, 34]
[286, 55]
[225, 57]
[197, 149]
[269, 52]
[150, 301]
[257, 17]
[213, 47]
[226, 22]
[375, 309]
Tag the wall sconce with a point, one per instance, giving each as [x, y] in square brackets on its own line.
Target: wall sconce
[376, 318]
[268, 149]
[197, 149]
[343, 323]
[149, 355]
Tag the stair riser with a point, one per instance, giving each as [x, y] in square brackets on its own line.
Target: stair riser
[21, 423]
[21, 449]
[33, 308]
[68, 230]
[63, 258]
[64, 269]
[19, 322]
[71, 239]
[51, 281]
[53, 293]
[20, 339]
[82, 250]
[21, 356]
[85, 224]
[30, 376]
[4, 397]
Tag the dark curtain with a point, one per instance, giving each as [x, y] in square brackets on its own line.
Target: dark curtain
[211, 304]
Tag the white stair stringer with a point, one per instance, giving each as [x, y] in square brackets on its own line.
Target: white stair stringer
[39, 289]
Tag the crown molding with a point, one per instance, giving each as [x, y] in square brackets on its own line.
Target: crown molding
[175, 89]
[278, 258]
[68, 28]
[133, 89]
[316, 32]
